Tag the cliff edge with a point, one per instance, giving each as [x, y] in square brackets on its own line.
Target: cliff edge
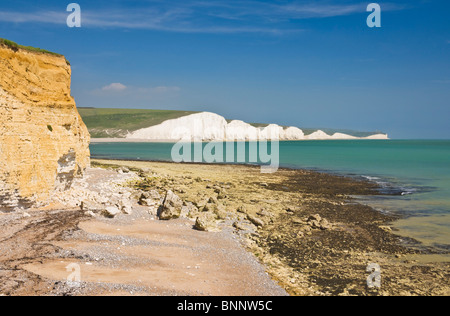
[44, 143]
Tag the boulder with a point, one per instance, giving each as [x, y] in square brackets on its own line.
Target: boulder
[188, 210]
[171, 207]
[149, 198]
[90, 213]
[152, 210]
[317, 222]
[88, 205]
[110, 211]
[125, 206]
[217, 209]
[200, 225]
[220, 212]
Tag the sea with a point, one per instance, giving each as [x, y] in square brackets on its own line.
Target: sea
[414, 176]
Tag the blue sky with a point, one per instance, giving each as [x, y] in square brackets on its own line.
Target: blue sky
[304, 63]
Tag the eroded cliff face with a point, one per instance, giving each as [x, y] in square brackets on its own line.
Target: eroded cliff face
[44, 143]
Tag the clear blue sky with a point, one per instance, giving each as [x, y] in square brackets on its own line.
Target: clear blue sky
[304, 63]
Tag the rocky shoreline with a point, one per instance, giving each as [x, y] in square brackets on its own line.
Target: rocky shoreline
[303, 227]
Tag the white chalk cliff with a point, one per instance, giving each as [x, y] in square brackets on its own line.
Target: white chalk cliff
[207, 126]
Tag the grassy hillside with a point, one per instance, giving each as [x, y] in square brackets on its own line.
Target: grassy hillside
[105, 123]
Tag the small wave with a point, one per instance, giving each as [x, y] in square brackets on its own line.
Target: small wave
[409, 191]
[371, 178]
[387, 187]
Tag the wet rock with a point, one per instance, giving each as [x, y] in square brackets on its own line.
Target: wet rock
[171, 207]
[386, 228]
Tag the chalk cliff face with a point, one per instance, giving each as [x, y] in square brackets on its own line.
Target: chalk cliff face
[212, 127]
[43, 140]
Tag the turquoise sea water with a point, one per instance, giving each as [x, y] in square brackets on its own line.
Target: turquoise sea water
[416, 171]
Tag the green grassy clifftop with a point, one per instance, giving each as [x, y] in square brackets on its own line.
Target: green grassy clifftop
[117, 123]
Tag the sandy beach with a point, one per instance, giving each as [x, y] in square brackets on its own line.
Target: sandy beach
[295, 232]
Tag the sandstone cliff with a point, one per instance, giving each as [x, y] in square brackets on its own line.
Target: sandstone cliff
[44, 143]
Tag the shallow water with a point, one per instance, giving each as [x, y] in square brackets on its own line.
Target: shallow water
[417, 171]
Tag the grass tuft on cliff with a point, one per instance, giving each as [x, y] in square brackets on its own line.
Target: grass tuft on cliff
[14, 46]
